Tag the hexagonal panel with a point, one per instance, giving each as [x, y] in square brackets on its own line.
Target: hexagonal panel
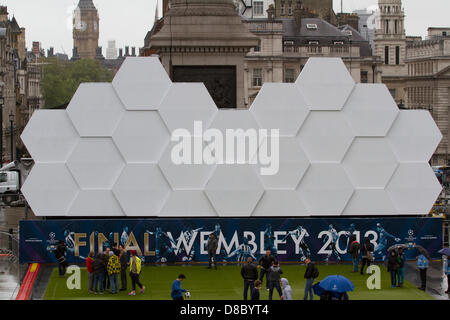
[292, 165]
[188, 203]
[184, 176]
[371, 110]
[186, 103]
[141, 83]
[325, 83]
[95, 203]
[370, 202]
[50, 189]
[95, 110]
[414, 136]
[325, 189]
[414, 188]
[141, 136]
[280, 106]
[234, 190]
[326, 136]
[285, 203]
[95, 163]
[370, 163]
[232, 119]
[141, 190]
[50, 136]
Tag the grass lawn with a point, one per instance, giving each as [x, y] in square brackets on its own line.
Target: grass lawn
[226, 284]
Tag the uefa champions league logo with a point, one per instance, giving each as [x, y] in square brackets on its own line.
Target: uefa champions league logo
[52, 236]
[410, 232]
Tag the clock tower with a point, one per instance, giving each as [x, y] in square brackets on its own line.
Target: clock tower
[86, 29]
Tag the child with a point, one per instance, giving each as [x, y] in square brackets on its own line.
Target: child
[287, 290]
[255, 291]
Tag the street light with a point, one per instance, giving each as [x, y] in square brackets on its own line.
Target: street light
[11, 121]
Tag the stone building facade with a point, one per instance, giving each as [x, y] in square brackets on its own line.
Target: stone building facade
[86, 30]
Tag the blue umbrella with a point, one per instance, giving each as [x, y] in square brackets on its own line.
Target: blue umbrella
[336, 284]
[318, 290]
[445, 251]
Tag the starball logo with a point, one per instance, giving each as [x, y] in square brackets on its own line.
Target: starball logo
[235, 146]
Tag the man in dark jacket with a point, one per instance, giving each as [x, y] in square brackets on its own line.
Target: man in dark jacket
[98, 267]
[123, 259]
[212, 250]
[310, 274]
[274, 278]
[367, 254]
[250, 274]
[265, 263]
[354, 252]
[60, 255]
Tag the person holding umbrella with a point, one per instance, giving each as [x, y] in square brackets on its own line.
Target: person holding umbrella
[446, 252]
[333, 288]
[422, 264]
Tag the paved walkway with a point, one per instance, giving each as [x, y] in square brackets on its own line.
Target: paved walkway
[436, 281]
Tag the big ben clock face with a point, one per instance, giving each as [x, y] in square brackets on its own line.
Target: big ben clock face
[82, 26]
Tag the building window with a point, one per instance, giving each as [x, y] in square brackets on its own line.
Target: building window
[290, 8]
[364, 76]
[283, 9]
[386, 24]
[397, 55]
[257, 77]
[392, 92]
[289, 75]
[386, 55]
[258, 47]
[258, 8]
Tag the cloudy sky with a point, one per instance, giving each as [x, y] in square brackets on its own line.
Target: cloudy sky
[127, 21]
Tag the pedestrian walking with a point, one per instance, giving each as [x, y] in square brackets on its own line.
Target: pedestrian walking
[177, 290]
[422, 264]
[393, 266]
[212, 250]
[249, 273]
[287, 290]
[60, 255]
[311, 273]
[401, 267]
[113, 272]
[123, 259]
[90, 272]
[274, 278]
[135, 271]
[98, 267]
[367, 254]
[265, 263]
[354, 252]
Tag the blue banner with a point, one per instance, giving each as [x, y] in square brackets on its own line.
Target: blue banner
[184, 240]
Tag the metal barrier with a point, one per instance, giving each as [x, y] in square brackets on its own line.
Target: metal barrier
[9, 262]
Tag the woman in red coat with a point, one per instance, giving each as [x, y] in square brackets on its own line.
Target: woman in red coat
[90, 272]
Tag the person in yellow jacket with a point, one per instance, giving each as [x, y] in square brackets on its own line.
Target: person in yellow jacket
[113, 272]
[135, 270]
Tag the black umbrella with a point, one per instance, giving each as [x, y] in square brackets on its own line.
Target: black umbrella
[397, 246]
[423, 251]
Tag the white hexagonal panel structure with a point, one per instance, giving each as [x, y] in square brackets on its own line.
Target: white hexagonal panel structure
[343, 150]
[325, 83]
[414, 136]
[95, 110]
[280, 106]
[370, 163]
[371, 110]
[95, 163]
[141, 83]
[234, 190]
[326, 136]
[414, 188]
[50, 189]
[141, 137]
[141, 190]
[325, 189]
[50, 136]
[186, 103]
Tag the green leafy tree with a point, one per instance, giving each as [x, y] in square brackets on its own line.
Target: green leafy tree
[61, 79]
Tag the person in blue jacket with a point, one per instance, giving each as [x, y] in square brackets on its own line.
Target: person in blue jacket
[177, 291]
[447, 272]
[422, 264]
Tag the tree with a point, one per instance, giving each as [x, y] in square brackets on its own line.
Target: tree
[61, 79]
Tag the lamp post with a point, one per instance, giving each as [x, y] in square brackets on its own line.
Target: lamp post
[11, 121]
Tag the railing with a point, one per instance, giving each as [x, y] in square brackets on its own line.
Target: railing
[343, 51]
[9, 259]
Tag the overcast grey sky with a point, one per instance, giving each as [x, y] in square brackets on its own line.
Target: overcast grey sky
[127, 21]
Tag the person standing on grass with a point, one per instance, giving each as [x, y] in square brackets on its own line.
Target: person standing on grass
[60, 255]
[212, 250]
[393, 267]
[123, 259]
[287, 290]
[274, 278]
[113, 272]
[354, 252]
[367, 254]
[90, 272]
[422, 264]
[135, 271]
[310, 274]
[265, 263]
[250, 274]
[106, 283]
[98, 267]
[256, 290]
[401, 267]
[177, 290]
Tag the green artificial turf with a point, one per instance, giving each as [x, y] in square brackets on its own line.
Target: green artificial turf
[225, 283]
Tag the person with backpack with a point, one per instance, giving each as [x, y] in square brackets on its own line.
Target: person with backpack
[60, 255]
[354, 252]
[311, 273]
[393, 267]
[367, 254]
